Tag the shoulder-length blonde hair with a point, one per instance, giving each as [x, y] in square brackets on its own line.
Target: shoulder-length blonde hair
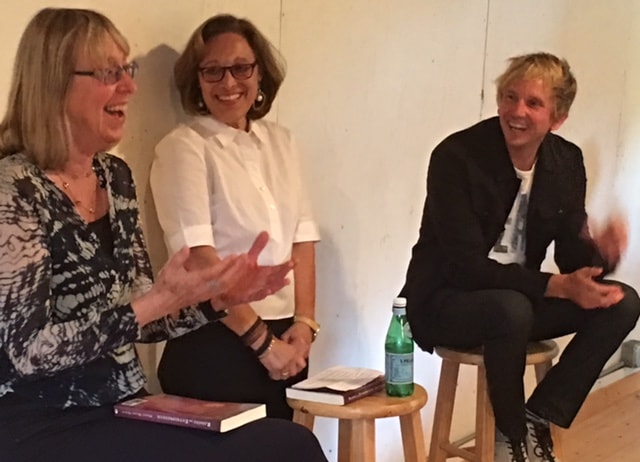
[270, 63]
[35, 122]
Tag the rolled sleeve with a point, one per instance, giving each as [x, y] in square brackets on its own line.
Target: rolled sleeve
[182, 190]
[306, 231]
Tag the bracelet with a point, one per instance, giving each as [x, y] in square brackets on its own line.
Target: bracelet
[311, 323]
[211, 313]
[248, 338]
[266, 346]
[266, 352]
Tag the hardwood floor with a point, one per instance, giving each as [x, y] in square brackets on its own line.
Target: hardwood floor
[607, 429]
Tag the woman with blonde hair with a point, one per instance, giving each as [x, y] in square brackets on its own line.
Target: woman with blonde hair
[76, 288]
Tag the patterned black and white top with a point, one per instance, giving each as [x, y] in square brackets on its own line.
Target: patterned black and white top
[67, 329]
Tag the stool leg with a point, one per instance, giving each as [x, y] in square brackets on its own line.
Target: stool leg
[412, 437]
[485, 420]
[356, 440]
[542, 369]
[303, 418]
[444, 411]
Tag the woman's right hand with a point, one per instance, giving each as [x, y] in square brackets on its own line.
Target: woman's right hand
[282, 361]
[233, 280]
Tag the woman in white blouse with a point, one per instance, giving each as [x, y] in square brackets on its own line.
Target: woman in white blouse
[217, 180]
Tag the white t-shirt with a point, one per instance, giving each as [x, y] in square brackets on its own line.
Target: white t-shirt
[215, 185]
[512, 243]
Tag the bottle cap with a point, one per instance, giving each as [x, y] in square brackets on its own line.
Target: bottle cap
[399, 302]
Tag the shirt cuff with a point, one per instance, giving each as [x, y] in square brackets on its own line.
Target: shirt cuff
[192, 236]
[306, 231]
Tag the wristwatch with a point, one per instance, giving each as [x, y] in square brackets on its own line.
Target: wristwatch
[313, 325]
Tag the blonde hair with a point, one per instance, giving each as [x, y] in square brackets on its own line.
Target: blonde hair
[553, 71]
[35, 122]
[186, 69]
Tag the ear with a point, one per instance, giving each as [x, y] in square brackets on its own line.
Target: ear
[558, 122]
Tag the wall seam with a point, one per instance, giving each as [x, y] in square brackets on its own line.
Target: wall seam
[484, 58]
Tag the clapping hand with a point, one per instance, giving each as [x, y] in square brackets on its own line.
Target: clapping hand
[233, 280]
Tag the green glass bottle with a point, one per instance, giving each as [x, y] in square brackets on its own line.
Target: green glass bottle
[398, 351]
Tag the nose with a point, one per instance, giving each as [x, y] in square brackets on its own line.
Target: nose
[227, 78]
[519, 106]
[127, 84]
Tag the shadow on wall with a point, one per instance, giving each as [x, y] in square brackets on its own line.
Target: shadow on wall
[153, 112]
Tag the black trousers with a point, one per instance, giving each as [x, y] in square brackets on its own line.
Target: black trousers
[212, 363]
[503, 321]
[30, 434]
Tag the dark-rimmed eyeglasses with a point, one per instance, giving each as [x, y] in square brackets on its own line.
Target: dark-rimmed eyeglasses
[111, 75]
[213, 74]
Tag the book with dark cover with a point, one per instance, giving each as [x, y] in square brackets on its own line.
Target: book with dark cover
[334, 393]
[188, 412]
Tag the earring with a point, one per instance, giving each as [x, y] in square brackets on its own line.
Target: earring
[260, 100]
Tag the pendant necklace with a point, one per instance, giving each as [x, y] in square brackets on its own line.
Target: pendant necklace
[66, 186]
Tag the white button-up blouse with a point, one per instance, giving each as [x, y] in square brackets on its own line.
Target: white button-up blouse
[219, 186]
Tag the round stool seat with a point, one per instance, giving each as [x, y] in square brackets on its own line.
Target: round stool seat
[371, 407]
[537, 352]
[356, 423]
[539, 355]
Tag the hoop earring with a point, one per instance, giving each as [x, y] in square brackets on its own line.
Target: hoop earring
[260, 100]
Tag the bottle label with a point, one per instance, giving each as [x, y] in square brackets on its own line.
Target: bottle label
[399, 368]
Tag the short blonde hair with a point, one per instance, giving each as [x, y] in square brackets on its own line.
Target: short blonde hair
[554, 72]
[35, 122]
[270, 63]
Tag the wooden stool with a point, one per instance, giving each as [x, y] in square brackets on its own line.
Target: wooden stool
[356, 425]
[539, 354]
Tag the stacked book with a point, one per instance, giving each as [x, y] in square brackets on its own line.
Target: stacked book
[338, 385]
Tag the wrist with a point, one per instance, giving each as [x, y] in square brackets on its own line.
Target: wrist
[555, 286]
[310, 323]
[265, 347]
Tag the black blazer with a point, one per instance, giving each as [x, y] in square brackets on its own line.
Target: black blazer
[471, 186]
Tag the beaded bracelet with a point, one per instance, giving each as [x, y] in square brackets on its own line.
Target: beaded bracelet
[266, 346]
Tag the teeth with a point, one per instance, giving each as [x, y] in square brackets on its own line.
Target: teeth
[118, 108]
[517, 126]
[233, 97]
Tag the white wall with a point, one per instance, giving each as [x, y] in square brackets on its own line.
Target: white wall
[372, 86]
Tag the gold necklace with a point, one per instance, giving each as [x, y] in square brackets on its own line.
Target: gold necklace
[66, 186]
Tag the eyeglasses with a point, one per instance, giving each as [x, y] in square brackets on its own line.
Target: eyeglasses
[111, 75]
[213, 74]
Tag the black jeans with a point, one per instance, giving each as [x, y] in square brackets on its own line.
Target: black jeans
[503, 321]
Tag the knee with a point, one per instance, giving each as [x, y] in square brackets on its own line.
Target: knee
[292, 442]
[628, 309]
[513, 314]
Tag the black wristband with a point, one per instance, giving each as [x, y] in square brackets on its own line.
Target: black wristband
[211, 314]
[265, 345]
[244, 338]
